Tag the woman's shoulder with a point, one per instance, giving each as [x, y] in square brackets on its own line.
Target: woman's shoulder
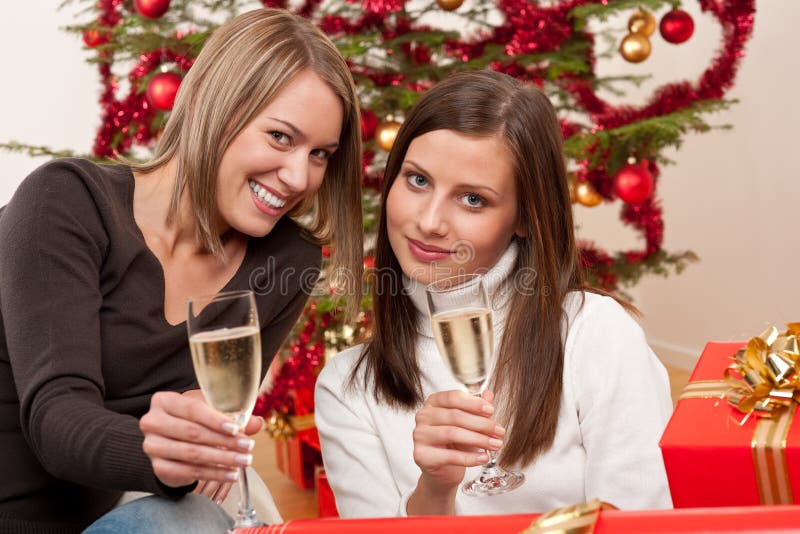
[341, 365]
[69, 190]
[75, 182]
[598, 313]
[599, 331]
[603, 338]
[66, 171]
[338, 369]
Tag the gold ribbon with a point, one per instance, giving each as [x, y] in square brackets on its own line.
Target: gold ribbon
[573, 519]
[705, 389]
[280, 425]
[765, 375]
[769, 458]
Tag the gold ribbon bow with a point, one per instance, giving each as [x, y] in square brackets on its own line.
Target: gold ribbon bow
[765, 375]
[280, 425]
[573, 519]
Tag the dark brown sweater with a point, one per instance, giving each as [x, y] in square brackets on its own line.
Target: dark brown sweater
[84, 342]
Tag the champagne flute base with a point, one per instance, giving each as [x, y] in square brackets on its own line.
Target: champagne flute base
[246, 521]
[493, 481]
[246, 516]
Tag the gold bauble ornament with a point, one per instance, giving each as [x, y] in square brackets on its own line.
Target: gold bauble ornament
[642, 22]
[587, 195]
[635, 47]
[385, 133]
[573, 191]
[449, 5]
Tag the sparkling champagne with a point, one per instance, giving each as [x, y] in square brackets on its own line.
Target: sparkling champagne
[465, 339]
[227, 363]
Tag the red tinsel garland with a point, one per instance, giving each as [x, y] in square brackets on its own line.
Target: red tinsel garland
[292, 388]
[127, 120]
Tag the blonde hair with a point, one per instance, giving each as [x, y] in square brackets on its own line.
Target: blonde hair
[244, 64]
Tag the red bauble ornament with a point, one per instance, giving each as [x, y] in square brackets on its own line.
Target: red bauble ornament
[161, 90]
[369, 122]
[94, 38]
[676, 26]
[151, 9]
[634, 183]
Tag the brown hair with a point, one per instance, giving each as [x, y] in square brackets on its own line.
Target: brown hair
[485, 104]
[244, 64]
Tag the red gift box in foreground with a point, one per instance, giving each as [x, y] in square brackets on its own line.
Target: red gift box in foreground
[713, 461]
[759, 519]
[326, 502]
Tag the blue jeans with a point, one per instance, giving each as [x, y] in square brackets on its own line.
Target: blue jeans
[188, 515]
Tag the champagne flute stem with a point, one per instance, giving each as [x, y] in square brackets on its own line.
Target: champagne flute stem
[476, 390]
[246, 516]
[244, 504]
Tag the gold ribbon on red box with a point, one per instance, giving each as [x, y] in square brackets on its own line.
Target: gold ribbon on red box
[574, 519]
[763, 381]
[280, 425]
[765, 375]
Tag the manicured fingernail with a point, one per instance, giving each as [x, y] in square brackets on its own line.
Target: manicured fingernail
[482, 458]
[495, 443]
[230, 428]
[499, 431]
[243, 459]
[246, 444]
[218, 501]
[487, 408]
[232, 475]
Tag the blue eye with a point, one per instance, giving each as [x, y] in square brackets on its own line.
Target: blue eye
[417, 180]
[473, 200]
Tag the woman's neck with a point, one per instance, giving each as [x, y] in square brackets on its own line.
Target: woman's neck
[496, 283]
[152, 199]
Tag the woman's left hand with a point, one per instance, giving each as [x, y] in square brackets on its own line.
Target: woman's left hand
[216, 491]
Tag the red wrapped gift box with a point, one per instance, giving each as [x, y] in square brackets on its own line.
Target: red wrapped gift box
[326, 502]
[759, 519]
[298, 457]
[713, 461]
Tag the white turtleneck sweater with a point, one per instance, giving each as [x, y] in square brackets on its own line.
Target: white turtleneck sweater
[614, 406]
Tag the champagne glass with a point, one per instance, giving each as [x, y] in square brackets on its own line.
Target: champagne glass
[461, 319]
[225, 341]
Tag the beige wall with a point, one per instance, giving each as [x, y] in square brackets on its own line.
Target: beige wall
[48, 93]
[732, 197]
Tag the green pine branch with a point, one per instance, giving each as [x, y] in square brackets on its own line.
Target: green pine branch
[604, 11]
[662, 263]
[37, 151]
[644, 138]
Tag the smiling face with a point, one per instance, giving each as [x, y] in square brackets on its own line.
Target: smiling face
[452, 208]
[280, 157]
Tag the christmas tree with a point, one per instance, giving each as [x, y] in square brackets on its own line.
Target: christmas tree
[396, 49]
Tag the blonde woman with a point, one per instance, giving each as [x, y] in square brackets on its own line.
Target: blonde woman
[97, 261]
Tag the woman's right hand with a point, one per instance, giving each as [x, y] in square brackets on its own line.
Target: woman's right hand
[187, 440]
[450, 429]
